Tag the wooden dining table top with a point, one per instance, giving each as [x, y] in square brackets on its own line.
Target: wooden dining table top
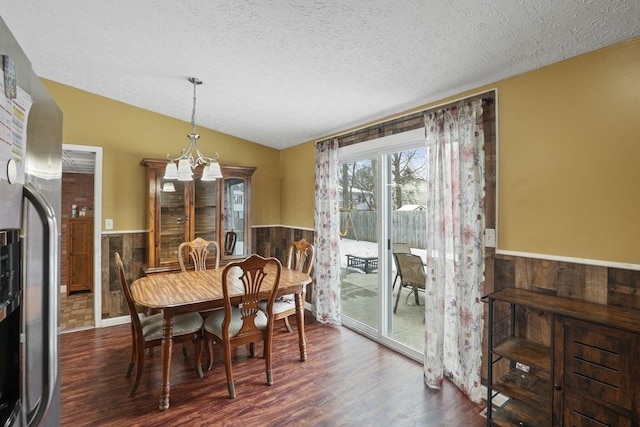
[194, 287]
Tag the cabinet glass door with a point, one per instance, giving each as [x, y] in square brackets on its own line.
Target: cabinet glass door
[234, 217]
[204, 206]
[174, 222]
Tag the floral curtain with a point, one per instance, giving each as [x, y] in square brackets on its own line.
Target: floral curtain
[326, 281]
[455, 256]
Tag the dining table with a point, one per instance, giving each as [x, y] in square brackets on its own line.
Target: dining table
[189, 291]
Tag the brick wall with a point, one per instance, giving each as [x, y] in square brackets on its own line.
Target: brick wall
[77, 189]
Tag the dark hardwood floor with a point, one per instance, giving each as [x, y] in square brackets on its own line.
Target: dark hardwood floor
[347, 381]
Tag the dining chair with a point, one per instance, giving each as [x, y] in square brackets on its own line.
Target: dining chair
[300, 257]
[198, 249]
[230, 238]
[412, 275]
[399, 248]
[242, 322]
[146, 332]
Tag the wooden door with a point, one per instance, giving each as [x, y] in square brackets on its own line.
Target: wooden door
[80, 255]
[595, 374]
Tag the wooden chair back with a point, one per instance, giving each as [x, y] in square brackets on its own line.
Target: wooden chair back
[301, 255]
[242, 321]
[145, 333]
[230, 238]
[133, 309]
[249, 275]
[198, 250]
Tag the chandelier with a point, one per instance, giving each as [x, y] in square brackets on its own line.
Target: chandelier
[181, 167]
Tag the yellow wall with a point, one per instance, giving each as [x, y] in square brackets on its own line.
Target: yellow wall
[569, 148]
[297, 166]
[127, 134]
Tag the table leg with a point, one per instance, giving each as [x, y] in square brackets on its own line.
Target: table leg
[166, 348]
[302, 340]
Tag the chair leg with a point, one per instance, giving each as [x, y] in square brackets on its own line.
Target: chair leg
[395, 307]
[129, 370]
[394, 281]
[209, 343]
[139, 368]
[197, 340]
[227, 366]
[413, 291]
[134, 388]
[267, 358]
[286, 323]
[132, 360]
[185, 351]
[232, 390]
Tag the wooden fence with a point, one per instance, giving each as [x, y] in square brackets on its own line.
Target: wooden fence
[408, 227]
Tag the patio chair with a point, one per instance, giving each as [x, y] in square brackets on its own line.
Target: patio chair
[399, 248]
[412, 275]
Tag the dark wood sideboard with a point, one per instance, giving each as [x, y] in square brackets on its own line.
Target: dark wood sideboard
[580, 372]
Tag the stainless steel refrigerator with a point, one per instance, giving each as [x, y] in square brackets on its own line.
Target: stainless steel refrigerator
[30, 192]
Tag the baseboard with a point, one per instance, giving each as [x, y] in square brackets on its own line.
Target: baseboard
[115, 321]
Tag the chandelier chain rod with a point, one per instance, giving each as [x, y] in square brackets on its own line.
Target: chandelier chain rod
[195, 82]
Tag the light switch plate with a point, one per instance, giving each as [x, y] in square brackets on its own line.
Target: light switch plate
[108, 224]
[490, 238]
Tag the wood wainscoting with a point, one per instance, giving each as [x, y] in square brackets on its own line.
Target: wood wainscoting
[275, 241]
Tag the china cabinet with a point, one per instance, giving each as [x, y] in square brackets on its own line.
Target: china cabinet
[206, 209]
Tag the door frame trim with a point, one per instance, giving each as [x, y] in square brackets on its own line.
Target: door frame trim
[97, 228]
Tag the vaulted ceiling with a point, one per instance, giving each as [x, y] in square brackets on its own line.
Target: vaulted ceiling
[283, 72]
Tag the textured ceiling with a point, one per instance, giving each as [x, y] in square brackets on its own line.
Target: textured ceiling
[283, 72]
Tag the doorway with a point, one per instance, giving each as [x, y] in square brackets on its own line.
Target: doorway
[81, 168]
[383, 197]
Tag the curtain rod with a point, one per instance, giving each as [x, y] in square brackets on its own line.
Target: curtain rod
[488, 100]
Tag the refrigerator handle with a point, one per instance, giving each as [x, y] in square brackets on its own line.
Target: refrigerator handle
[50, 262]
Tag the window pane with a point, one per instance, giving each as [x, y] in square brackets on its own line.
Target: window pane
[359, 243]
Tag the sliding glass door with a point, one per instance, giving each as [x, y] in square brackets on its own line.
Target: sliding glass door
[359, 243]
[407, 235]
[383, 197]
